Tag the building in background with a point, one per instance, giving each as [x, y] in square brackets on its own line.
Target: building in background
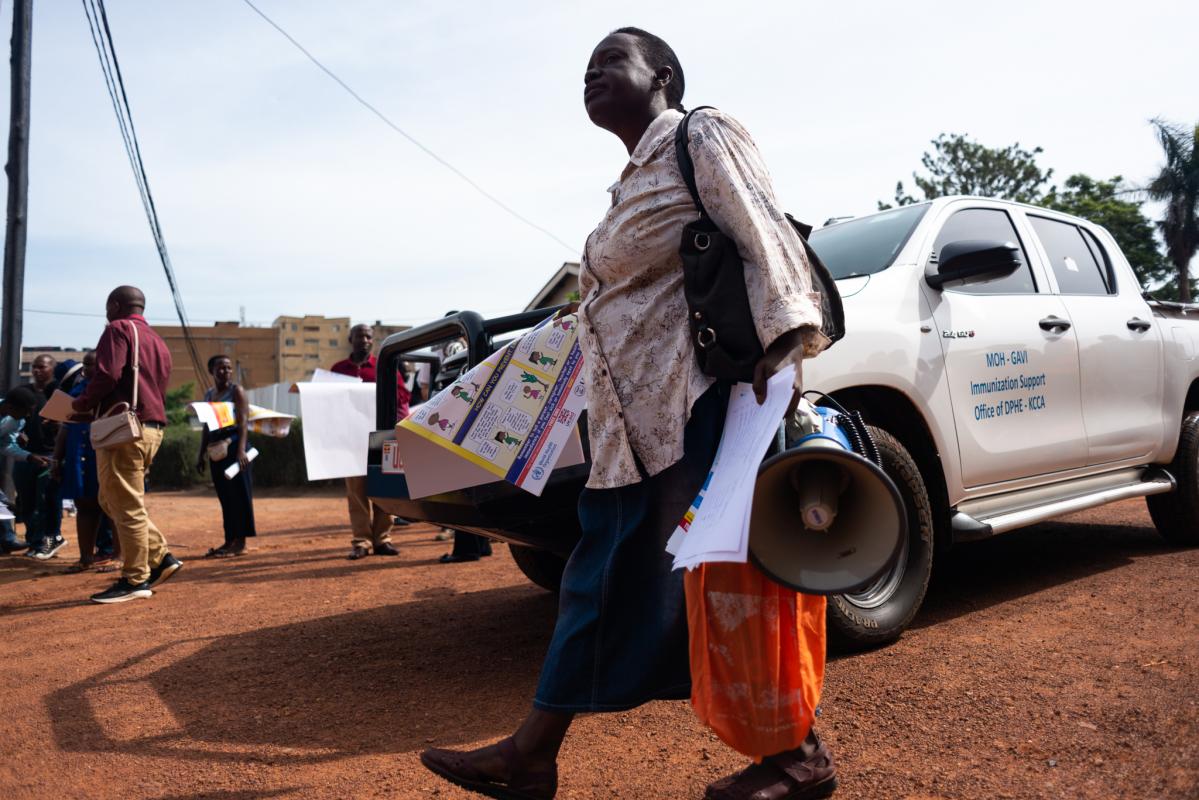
[57, 353]
[561, 288]
[254, 352]
[308, 342]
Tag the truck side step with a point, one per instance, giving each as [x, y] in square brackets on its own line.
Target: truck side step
[988, 516]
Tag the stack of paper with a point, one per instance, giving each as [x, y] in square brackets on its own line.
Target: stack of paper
[716, 527]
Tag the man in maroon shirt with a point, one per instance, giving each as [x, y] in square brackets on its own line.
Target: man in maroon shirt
[369, 523]
[122, 469]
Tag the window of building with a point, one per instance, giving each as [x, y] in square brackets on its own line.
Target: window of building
[995, 225]
[1074, 265]
[293, 327]
[337, 327]
[313, 342]
[333, 343]
[312, 328]
[311, 356]
[289, 342]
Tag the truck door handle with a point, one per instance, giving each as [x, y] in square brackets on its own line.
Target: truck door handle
[1054, 324]
[1138, 325]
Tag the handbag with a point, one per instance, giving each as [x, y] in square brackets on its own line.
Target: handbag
[120, 425]
[219, 450]
[719, 316]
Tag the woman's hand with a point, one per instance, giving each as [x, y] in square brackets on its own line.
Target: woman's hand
[56, 470]
[242, 458]
[200, 463]
[787, 349]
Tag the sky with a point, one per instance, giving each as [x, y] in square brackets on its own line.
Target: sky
[279, 194]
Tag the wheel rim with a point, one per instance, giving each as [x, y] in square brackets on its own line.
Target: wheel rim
[885, 587]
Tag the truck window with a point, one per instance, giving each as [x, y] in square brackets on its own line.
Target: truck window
[993, 224]
[1074, 265]
[867, 245]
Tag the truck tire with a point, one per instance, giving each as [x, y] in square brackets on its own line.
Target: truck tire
[878, 614]
[1176, 515]
[542, 567]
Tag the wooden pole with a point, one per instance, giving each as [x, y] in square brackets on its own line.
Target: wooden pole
[17, 170]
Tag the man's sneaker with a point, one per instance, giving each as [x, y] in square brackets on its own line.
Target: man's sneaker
[123, 590]
[165, 569]
[385, 549]
[358, 551]
[49, 548]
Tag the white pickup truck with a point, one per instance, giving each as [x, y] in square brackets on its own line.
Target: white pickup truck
[1017, 372]
[1004, 355]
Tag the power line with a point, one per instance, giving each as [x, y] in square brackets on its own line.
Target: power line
[97, 19]
[513, 212]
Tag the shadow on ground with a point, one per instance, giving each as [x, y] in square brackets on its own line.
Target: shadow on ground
[448, 669]
[979, 575]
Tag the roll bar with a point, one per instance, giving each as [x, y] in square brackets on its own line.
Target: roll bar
[478, 333]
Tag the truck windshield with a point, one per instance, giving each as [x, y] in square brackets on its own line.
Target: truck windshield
[867, 245]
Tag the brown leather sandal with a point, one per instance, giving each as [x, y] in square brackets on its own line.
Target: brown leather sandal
[786, 776]
[524, 784]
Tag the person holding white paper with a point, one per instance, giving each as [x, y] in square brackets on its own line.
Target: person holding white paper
[370, 524]
[654, 418]
[223, 448]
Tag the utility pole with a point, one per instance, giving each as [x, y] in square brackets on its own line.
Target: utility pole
[17, 170]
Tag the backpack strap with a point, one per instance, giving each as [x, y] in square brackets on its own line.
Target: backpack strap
[682, 139]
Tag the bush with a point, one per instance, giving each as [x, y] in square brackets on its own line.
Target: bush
[280, 462]
[174, 466]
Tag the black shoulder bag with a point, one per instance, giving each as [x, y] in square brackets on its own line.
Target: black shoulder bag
[722, 325]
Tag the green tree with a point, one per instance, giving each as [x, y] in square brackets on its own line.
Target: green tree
[177, 401]
[1104, 203]
[960, 165]
[1177, 185]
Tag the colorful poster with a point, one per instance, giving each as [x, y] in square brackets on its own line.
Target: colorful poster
[215, 416]
[513, 414]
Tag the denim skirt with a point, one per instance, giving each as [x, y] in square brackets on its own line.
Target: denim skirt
[621, 635]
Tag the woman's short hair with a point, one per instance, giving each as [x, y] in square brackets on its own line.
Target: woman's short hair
[212, 362]
[659, 54]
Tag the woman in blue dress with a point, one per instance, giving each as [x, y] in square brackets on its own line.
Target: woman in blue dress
[75, 467]
[223, 448]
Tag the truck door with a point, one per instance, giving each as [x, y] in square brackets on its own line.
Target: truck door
[1011, 360]
[1119, 348]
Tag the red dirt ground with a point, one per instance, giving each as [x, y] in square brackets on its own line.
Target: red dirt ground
[1056, 662]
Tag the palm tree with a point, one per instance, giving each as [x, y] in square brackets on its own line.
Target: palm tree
[1177, 185]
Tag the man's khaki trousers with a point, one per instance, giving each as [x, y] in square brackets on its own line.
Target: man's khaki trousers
[122, 474]
[369, 523]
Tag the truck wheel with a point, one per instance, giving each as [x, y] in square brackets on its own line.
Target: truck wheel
[879, 613]
[542, 567]
[1176, 515]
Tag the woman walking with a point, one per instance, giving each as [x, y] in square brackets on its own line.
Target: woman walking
[655, 421]
[75, 467]
[223, 448]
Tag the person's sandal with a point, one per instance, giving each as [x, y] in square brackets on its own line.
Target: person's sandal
[222, 552]
[785, 776]
[524, 784]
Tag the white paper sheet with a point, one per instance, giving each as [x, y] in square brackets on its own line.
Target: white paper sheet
[717, 526]
[338, 420]
[327, 376]
[234, 469]
[58, 407]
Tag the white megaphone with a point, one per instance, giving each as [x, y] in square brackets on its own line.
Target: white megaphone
[825, 520]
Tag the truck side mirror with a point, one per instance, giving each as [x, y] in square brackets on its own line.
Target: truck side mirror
[973, 258]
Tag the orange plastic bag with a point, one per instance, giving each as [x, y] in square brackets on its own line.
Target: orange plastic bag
[757, 657]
